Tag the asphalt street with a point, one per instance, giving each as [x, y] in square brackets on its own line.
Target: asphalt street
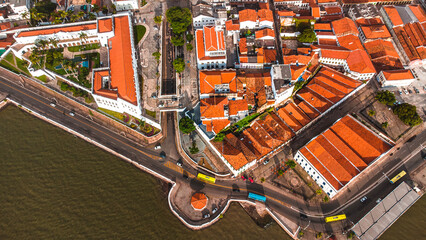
[374, 186]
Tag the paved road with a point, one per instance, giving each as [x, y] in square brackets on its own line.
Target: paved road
[279, 201]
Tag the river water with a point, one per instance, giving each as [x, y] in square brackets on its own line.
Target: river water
[56, 186]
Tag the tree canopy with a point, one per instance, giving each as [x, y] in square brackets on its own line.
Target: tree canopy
[290, 163]
[157, 19]
[179, 65]
[179, 19]
[386, 97]
[408, 114]
[307, 36]
[177, 40]
[186, 125]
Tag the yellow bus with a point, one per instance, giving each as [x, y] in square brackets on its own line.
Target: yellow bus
[206, 178]
[398, 176]
[335, 218]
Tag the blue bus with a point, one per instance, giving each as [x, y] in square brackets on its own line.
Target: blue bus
[257, 197]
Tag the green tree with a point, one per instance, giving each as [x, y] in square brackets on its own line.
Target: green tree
[318, 235]
[179, 19]
[385, 97]
[189, 47]
[385, 124]
[325, 199]
[408, 114]
[194, 149]
[186, 125]
[96, 9]
[177, 40]
[189, 37]
[219, 137]
[105, 10]
[350, 234]
[280, 172]
[157, 55]
[290, 163]
[371, 112]
[262, 179]
[158, 19]
[179, 65]
[318, 191]
[302, 26]
[307, 36]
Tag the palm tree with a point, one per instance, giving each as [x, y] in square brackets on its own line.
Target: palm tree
[80, 15]
[83, 36]
[24, 14]
[54, 42]
[96, 8]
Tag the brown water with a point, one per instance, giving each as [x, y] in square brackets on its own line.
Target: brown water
[56, 186]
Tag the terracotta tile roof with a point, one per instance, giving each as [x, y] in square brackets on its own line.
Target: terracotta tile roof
[57, 29]
[393, 15]
[386, 63]
[201, 52]
[213, 107]
[324, 41]
[380, 48]
[247, 15]
[297, 71]
[297, 113]
[213, 40]
[329, 18]
[337, 54]
[236, 106]
[122, 73]
[357, 60]
[267, 32]
[333, 10]
[342, 151]
[232, 25]
[5, 26]
[403, 74]
[99, 89]
[286, 13]
[406, 44]
[375, 31]
[265, 15]
[7, 42]
[308, 110]
[242, 144]
[234, 156]
[289, 119]
[315, 11]
[266, 55]
[418, 12]
[242, 44]
[209, 79]
[368, 21]
[344, 26]
[105, 25]
[252, 87]
[350, 42]
[300, 59]
[304, 50]
[216, 125]
[322, 26]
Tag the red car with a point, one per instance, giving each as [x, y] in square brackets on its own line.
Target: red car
[250, 179]
[242, 177]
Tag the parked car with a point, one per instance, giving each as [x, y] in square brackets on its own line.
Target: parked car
[416, 90]
[379, 200]
[405, 91]
[409, 91]
[266, 162]
[158, 146]
[214, 210]
[400, 92]
[207, 215]
[242, 177]
[72, 113]
[363, 199]
[53, 104]
[250, 179]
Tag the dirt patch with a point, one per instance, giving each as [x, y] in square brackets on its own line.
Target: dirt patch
[379, 114]
[259, 214]
[293, 182]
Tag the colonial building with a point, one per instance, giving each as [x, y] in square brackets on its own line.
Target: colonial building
[211, 51]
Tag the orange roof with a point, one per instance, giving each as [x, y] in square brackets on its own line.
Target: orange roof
[406, 43]
[267, 32]
[232, 150]
[265, 15]
[122, 74]
[213, 107]
[199, 201]
[216, 125]
[296, 71]
[359, 61]
[5, 25]
[247, 15]
[300, 59]
[105, 25]
[344, 26]
[338, 54]
[403, 74]
[97, 85]
[325, 41]
[308, 110]
[209, 80]
[8, 41]
[266, 55]
[57, 29]
[322, 26]
[343, 151]
[333, 10]
[375, 31]
[315, 11]
[368, 21]
[242, 44]
[304, 50]
[393, 15]
[418, 12]
[350, 42]
[212, 43]
[289, 119]
[380, 48]
[286, 13]
[236, 106]
[232, 25]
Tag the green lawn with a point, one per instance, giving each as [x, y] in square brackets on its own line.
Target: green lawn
[84, 47]
[117, 115]
[42, 78]
[139, 31]
[9, 57]
[150, 113]
[22, 65]
[6, 65]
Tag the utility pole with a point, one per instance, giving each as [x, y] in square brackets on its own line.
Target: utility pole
[386, 176]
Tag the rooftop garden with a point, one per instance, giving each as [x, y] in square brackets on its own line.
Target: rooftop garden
[15, 64]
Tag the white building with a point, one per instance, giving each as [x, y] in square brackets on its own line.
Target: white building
[395, 78]
[336, 157]
[211, 51]
[122, 5]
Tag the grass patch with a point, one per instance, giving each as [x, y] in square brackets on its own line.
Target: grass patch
[84, 47]
[9, 57]
[117, 115]
[43, 78]
[9, 67]
[139, 31]
[22, 65]
[151, 113]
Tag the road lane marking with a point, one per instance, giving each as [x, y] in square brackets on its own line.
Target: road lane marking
[146, 154]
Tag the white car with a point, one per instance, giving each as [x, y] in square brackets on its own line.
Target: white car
[53, 104]
[158, 146]
[405, 91]
[72, 113]
[363, 199]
